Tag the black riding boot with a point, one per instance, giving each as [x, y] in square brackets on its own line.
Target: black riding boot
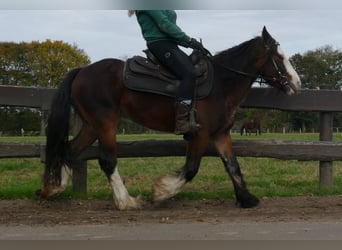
[186, 123]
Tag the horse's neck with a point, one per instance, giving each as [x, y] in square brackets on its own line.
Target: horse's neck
[242, 58]
[239, 68]
[235, 86]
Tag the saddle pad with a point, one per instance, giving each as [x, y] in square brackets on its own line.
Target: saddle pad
[142, 75]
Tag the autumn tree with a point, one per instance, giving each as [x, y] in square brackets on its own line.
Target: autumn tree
[41, 64]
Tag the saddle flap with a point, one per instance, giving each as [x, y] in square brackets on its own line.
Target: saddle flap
[142, 65]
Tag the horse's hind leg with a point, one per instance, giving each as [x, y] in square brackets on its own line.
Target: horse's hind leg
[84, 138]
[108, 163]
[243, 196]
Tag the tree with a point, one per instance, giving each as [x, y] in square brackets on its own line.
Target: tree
[41, 64]
[322, 66]
[304, 121]
[317, 68]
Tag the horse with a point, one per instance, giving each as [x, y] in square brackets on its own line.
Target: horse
[98, 95]
[251, 126]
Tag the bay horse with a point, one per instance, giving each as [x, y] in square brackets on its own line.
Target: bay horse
[99, 96]
[251, 126]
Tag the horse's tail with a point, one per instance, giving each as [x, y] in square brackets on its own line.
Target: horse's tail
[242, 130]
[57, 131]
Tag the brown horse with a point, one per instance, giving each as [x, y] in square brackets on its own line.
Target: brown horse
[251, 126]
[98, 95]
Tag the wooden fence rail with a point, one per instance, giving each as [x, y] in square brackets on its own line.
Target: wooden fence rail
[324, 101]
[278, 149]
[268, 98]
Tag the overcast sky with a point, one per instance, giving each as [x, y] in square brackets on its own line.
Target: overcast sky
[111, 33]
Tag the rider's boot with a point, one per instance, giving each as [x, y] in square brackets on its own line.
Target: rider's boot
[186, 122]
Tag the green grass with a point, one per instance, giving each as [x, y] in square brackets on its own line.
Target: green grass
[291, 136]
[22, 138]
[157, 136]
[19, 178]
[265, 177]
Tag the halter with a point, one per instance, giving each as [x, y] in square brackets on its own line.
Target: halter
[281, 78]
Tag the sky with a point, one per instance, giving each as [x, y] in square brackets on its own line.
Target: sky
[107, 32]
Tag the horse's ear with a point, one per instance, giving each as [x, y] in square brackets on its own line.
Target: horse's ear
[266, 36]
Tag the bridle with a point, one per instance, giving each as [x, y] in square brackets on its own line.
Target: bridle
[280, 78]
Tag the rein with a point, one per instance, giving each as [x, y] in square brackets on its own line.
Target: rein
[254, 76]
[239, 72]
[281, 78]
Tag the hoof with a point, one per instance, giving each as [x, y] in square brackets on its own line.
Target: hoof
[49, 191]
[166, 187]
[252, 201]
[130, 204]
[42, 193]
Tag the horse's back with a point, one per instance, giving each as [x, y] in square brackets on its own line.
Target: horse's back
[99, 77]
[98, 85]
[103, 70]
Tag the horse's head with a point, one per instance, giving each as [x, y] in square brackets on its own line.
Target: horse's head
[277, 69]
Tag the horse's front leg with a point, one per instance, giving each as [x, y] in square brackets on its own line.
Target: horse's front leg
[243, 197]
[170, 185]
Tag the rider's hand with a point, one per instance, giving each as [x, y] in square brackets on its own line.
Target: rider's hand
[194, 44]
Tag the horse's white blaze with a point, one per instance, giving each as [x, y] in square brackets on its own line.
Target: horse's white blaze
[295, 80]
[122, 199]
[167, 187]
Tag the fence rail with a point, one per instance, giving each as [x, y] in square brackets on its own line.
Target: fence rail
[268, 98]
[325, 151]
[278, 149]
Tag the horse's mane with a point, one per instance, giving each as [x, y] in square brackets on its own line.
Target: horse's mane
[233, 56]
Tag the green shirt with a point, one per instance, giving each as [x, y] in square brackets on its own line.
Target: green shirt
[158, 25]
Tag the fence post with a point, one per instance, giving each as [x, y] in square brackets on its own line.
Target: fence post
[43, 122]
[79, 177]
[326, 134]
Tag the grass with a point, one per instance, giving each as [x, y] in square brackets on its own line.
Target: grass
[19, 178]
[265, 177]
[235, 136]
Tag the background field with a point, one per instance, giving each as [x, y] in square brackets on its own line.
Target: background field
[19, 178]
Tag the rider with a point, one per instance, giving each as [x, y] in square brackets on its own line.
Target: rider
[163, 36]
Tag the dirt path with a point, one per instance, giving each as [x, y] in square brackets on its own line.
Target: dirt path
[94, 212]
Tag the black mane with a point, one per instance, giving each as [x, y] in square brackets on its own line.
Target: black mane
[236, 56]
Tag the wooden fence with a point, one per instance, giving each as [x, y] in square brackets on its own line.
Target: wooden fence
[326, 102]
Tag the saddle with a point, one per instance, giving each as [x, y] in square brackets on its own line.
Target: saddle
[147, 75]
